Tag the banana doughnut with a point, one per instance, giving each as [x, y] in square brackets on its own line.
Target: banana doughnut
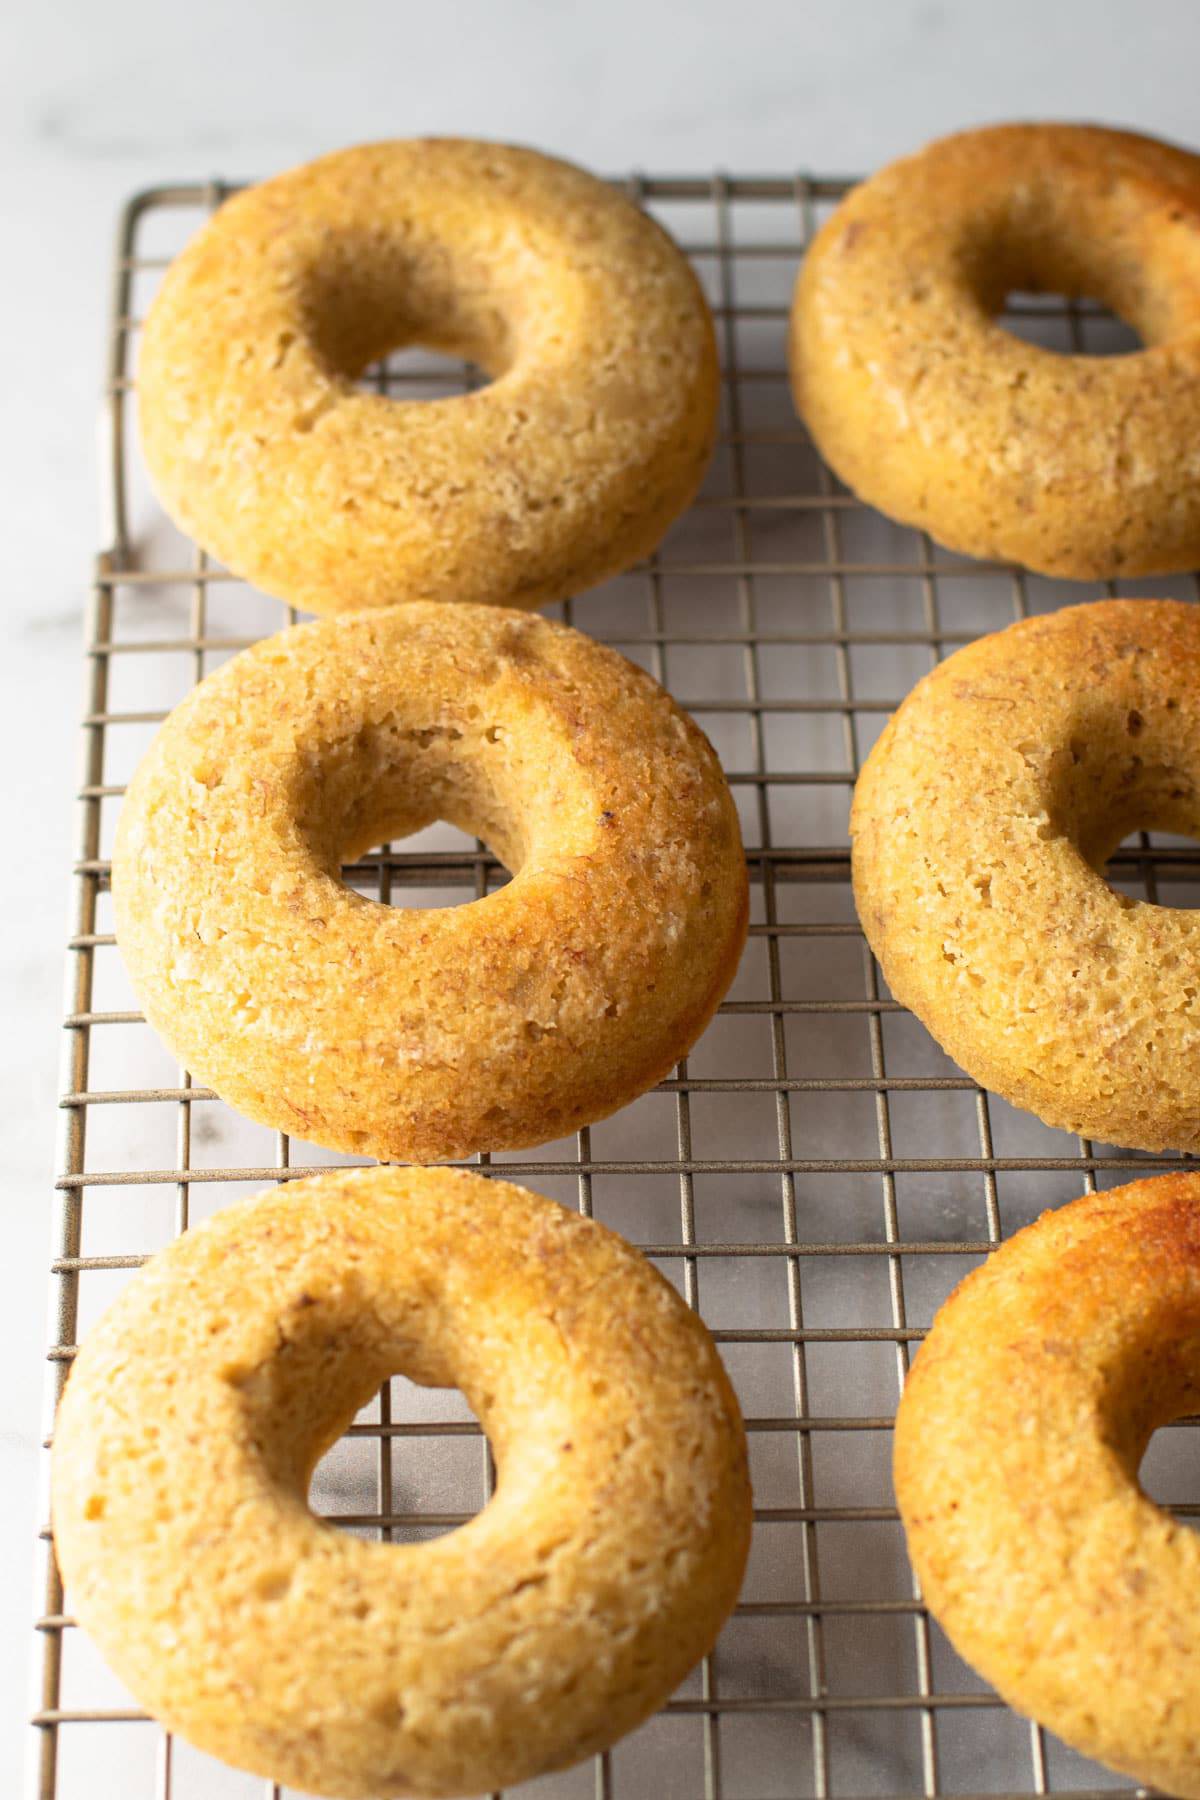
[1081, 466]
[593, 434]
[1018, 1442]
[981, 823]
[424, 1035]
[554, 1622]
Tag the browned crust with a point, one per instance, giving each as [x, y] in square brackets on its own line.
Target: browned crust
[1084, 467]
[979, 824]
[534, 1636]
[593, 434]
[424, 1035]
[1018, 1442]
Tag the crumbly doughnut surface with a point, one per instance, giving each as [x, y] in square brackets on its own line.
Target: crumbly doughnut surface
[1018, 1442]
[412, 1034]
[558, 1619]
[1077, 466]
[981, 821]
[592, 435]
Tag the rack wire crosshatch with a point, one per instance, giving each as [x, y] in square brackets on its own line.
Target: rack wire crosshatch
[814, 1178]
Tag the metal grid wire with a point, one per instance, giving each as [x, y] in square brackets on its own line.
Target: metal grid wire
[814, 1178]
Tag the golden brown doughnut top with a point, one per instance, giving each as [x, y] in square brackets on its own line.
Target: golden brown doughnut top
[553, 1622]
[1075, 465]
[981, 823]
[593, 432]
[1018, 1442]
[428, 1034]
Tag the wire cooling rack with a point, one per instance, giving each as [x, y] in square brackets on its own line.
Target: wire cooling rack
[814, 1178]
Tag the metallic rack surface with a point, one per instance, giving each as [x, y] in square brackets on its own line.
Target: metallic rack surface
[814, 1178]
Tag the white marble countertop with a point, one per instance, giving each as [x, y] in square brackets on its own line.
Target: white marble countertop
[98, 101]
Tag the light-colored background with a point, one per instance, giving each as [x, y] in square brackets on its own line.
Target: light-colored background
[97, 100]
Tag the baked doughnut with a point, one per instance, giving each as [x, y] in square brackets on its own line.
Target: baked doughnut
[981, 824]
[593, 434]
[422, 1035]
[1081, 466]
[554, 1622]
[1018, 1442]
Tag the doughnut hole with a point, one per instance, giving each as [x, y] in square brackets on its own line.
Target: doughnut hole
[1148, 1375]
[1058, 235]
[447, 869]
[417, 373]
[1152, 872]
[1120, 773]
[414, 1455]
[471, 771]
[332, 1360]
[368, 299]
[365, 298]
[337, 1343]
[1168, 1468]
[1071, 324]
